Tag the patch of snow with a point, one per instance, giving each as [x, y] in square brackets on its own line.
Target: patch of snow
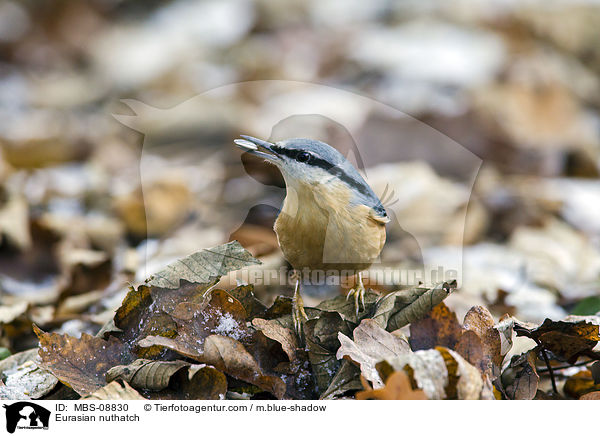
[228, 326]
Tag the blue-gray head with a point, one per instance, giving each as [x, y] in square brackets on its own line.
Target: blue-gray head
[311, 161]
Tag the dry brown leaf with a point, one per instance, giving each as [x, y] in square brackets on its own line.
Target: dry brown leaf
[275, 335]
[477, 341]
[282, 306]
[566, 340]
[371, 345]
[286, 337]
[520, 380]
[346, 379]
[400, 308]
[322, 342]
[174, 380]
[347, 309]
[464, 380]
[221, 314]
[146, 374]
[397, 387]
[204, 382]
[229, 356]
[439, 327]
[195, 382]
[143, 312]
[470, 347]
[427, 369]
[80, 363]
[245, 295]
[441, 373]
[480, 321]
[183, 348]
[148, 309]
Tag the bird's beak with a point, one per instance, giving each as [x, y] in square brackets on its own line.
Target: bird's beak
[257, 147]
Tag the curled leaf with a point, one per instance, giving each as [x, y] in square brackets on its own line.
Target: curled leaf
[400, 308]
[146, 374]
[285, 336]
[520, 380]
[505, 329]
[322, 341]
[345, 379]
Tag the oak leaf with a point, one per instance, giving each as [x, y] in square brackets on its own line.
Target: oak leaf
[441, 373]
[397, 387]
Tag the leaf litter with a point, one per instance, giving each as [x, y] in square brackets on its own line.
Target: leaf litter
[178, 336]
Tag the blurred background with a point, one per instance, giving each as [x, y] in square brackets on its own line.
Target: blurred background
[117, 119]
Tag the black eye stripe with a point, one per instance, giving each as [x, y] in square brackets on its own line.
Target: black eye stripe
[332, 169]
[314, 161]
[289, 152]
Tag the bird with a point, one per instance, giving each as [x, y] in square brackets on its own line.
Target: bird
[330, 220]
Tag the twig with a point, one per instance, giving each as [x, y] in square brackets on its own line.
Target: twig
[545, 356]
[558, 368]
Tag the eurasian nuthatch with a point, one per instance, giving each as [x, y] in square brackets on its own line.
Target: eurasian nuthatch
[331, 219]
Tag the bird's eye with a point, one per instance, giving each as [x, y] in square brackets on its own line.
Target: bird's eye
[303, 156]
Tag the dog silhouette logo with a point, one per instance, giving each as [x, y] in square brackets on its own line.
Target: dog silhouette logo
[25, 415]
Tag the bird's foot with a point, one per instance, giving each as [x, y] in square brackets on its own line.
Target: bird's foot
[298, 313]
[358, 292]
